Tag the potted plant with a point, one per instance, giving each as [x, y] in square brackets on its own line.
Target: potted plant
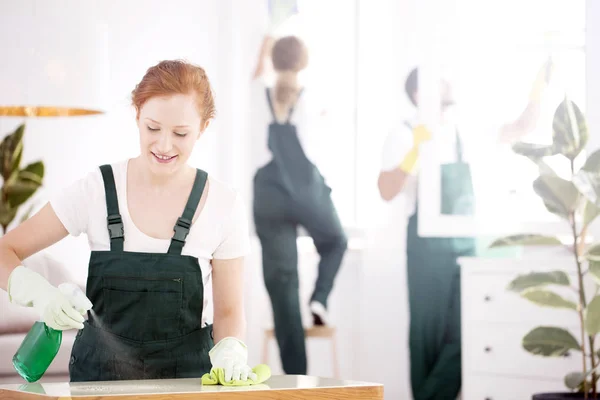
[19, 184]
[576, 199]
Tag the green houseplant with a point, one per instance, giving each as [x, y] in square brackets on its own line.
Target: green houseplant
[576, 199]
[19, 184]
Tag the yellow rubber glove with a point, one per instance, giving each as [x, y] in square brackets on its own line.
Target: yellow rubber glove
[420, 135]
[217, 377]
[541, 81]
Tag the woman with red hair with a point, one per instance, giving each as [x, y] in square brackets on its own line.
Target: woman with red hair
[158, 230]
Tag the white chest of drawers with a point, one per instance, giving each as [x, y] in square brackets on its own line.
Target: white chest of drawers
[494, 364]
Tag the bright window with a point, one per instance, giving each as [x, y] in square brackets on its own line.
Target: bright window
[500, 48]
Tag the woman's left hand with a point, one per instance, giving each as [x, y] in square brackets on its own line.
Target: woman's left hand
[231, 354]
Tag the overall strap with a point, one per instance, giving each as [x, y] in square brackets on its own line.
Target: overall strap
[182, 227]
[115, 223]
[270, 101]
[459, 148]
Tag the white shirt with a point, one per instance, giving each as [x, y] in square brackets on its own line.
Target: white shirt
[220, 231]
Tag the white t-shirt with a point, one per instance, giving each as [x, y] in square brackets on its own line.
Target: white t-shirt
[220, 231]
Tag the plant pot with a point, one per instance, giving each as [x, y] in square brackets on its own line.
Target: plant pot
[561, 396]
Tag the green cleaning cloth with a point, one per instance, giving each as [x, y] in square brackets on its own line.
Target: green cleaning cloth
[217, 377]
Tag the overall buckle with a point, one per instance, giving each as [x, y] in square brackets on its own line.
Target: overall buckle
[181, 229]
[115, 226]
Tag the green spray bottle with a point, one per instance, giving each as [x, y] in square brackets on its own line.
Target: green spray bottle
[41, 344]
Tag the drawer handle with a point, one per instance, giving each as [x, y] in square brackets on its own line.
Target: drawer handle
[487, 298]
[487, 349]
[488, 398]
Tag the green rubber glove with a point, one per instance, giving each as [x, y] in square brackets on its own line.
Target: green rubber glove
[217, 377]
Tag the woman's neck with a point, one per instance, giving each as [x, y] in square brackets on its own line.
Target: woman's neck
[288, 77]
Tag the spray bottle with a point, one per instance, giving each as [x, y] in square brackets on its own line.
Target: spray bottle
[42, 343]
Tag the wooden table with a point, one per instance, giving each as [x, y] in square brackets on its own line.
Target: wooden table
[280, 387]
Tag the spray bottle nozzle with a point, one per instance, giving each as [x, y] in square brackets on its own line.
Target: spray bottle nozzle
[76, 296]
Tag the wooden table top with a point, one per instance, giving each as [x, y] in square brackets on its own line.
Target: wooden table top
[280, 387]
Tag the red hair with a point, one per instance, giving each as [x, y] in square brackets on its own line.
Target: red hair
[172, 77]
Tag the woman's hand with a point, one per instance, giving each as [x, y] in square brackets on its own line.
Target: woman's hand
[231, 355]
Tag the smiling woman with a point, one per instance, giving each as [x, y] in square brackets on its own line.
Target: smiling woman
[174, 105]
[158, 229]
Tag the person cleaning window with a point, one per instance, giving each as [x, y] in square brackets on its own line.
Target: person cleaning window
[158, 230]
[433, 274]
[289, 192]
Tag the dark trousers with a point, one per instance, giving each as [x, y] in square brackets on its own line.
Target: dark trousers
[435, 332]
[277, 217]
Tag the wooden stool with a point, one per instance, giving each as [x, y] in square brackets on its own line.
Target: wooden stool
[312, 332]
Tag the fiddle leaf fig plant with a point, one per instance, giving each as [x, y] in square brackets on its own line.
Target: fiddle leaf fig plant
[576, 200]
[19, 184]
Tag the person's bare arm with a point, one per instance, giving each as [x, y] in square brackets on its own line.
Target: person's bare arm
[525, 123]
[528, 119]
[33, 235]
[263, 56]
[228, 297]
[391, 183]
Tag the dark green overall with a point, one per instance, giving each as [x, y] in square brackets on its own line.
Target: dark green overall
[434, 291]
[289, 191]
[146, 319]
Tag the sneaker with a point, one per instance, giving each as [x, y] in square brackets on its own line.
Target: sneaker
[319, 313]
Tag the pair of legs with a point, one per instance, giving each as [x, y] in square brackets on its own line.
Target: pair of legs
[277, 217]
[435, 334]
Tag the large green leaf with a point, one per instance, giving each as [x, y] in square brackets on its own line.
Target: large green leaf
[559, 195]
[525, 240]
[538, 279]
[16, 162]
[592, 316]
[588, 184]
[10, 150]
[590, 212]
[550, 341]
[7, 214]
[34, 172]
[592, 164]
[19, 192]
[534, 151]
[547, 298]
[594, 271]
[536, 154]
[593, 252]
[569, 128]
